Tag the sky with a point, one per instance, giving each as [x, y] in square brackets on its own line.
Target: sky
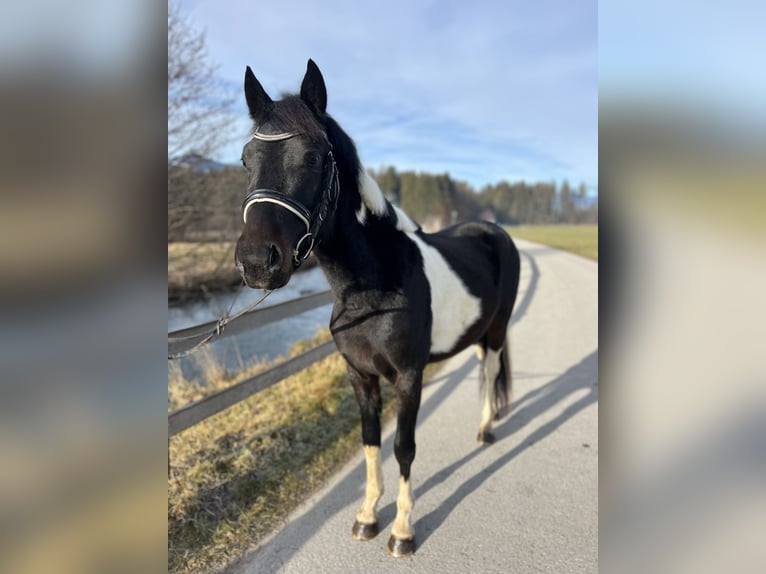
[708, 56]
[486, 91]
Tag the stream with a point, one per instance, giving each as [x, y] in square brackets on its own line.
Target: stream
[263, 343]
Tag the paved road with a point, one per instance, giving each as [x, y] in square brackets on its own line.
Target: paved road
[528, 503]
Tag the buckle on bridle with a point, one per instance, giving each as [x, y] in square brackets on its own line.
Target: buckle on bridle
[297, 257]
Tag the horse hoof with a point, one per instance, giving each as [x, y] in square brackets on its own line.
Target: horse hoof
[362, 531]
[400, 547]
[485, 437]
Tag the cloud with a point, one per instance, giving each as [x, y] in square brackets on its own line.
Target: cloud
[498, 89]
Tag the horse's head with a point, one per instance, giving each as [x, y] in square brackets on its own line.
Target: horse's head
[292, 181]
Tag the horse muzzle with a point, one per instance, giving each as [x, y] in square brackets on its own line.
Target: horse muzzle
[264, 266]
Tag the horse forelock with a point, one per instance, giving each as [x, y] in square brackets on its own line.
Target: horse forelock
[290, 114]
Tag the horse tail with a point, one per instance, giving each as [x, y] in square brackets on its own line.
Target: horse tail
[497, 364]
[503, 382]
[509, 265]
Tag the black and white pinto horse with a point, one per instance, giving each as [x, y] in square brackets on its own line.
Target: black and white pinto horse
[403, 298]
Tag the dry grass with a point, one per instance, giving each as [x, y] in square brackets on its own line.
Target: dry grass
[236, 476]
[579, 239]
[208, 258]
[195, 269]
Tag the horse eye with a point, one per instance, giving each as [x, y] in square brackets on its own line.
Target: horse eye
[313, 158]
[243, 162]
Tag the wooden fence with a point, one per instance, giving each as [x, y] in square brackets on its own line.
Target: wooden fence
[184, 339]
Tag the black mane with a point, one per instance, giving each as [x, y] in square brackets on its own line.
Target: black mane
[346, 156]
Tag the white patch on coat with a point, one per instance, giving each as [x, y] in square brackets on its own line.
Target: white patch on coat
[403, 221]
[372, 197]
[361, 215]
[453, 308]
[375, 202]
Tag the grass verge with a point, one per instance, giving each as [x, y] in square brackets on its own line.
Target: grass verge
[196, 269]
[578, 239]
[236, 476]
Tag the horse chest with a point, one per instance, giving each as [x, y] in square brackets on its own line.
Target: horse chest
[376, 339]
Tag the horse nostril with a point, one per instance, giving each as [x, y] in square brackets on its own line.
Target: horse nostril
[275, 259]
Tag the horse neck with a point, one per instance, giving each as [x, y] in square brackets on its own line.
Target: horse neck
[347, 252]
[364, 225]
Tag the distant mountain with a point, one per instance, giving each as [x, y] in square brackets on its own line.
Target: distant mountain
[200, 163]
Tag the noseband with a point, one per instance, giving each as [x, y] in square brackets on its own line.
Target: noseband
[312, 220]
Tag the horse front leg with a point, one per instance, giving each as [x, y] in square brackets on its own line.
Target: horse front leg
[402, 541]
[367, 389]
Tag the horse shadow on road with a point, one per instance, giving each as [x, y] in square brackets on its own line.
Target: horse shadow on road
[583, 375]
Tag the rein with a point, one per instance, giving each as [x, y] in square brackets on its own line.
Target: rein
[312, 220]
[222, 322]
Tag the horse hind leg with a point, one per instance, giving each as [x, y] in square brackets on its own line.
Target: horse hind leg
[489, 367]
[495, 388]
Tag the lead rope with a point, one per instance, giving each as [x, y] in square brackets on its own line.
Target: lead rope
[221, 323]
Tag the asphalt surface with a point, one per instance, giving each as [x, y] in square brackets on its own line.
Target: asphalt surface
[529, 502]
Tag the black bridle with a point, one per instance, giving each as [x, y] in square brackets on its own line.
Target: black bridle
[313, 220]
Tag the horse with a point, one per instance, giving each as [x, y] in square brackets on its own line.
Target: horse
[403, 298]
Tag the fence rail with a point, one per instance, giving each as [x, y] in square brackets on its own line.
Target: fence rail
[184, 339]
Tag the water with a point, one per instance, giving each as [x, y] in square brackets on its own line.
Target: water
[263, 343]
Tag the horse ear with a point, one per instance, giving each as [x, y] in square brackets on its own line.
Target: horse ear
[313, 91]
[257, 98]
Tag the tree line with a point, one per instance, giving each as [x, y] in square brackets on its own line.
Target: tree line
[443, 200]
[204, 203]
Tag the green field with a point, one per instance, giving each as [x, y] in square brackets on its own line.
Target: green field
[579, 239]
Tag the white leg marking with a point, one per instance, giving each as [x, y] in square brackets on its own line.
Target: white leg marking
[453, 308]
[368, 513]
[491, 369]
[402, 527]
